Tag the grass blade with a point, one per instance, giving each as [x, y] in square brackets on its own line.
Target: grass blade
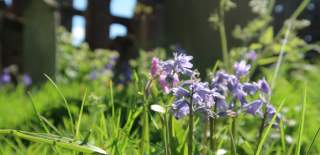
[66, 104]
[264, 136]
[313, 140]
[38, 114]
[80, 115]
[54, 140]
[301, 122]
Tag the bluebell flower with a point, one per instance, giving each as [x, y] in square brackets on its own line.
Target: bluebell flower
[155, 68]
[264, 86]
[235, 87]
[254, 108]
[182, 62]
[27, 80]
[180, 108]
[241, 68]
[180, 92]
[252, 55]
[221, 105]
[221, 78]
[168, 81]
[271, 111]
[5, 78]
[250, 88]
[167, 66]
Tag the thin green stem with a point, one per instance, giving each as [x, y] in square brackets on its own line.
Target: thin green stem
[262, 125]
[232, 140]
[212, 125]
[313, 140]
[66, 104]
[80, 115]
[294, 16]
[165, 134]
[190, 140]
[170, 136]
[224, 44]
[223, 36]
[145, 128]
[234, 134]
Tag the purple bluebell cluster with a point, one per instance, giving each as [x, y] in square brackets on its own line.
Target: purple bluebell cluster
[8, 76]
[226, 94]
[5, 77]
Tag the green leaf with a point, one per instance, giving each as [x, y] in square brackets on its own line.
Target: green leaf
[267, 36]
[55, 140]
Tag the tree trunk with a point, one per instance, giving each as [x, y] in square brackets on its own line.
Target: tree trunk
[39, 40]
[98, 22]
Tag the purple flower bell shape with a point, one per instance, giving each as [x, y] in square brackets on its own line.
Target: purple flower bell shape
[241, 68]
[180, 108]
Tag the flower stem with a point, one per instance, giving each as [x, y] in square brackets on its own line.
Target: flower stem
[165, 134]
[212, 132]
[205, 138]
[190, 141]
[261, 129]
[170, 130]
[213, 127]
[232, 140]
[145, 128]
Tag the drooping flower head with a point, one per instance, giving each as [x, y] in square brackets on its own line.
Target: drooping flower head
[250, 88]
[264, 86]
[252, 55]
[182, 63]
[271, 111]
[254, 108]
[241, 68]
[27, 81]
[168, 81]
[180, 108]
[155, 67]
[5, 76]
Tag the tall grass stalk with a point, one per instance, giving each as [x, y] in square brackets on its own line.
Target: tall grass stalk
[274, 77]
[223, 36]
[280, 58]
[301, 123]
[54, 140]
[80, 115]
[38, 114]
[313, 140]
[66, 104]
[265, 134]
[294, 16]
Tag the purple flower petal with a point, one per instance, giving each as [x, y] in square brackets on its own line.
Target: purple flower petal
[27, 80]
[241, 68]
[264, 86]
[252, 55]
[154, 67]
[254, 108]
[180, 108]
